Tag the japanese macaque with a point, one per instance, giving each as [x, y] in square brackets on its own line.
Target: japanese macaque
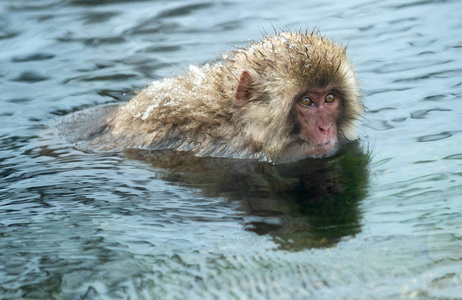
[285, 98]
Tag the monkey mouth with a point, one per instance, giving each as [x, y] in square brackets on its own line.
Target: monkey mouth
[300, 148]
[324, 144]
[324, 149]
[301, 142]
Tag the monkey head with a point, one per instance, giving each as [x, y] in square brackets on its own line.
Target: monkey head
[297, 95]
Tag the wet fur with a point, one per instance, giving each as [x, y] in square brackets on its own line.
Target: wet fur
[197, 112]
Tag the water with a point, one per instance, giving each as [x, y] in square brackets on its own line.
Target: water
[380, 220]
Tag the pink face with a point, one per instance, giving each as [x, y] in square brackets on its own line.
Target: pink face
[317, 112]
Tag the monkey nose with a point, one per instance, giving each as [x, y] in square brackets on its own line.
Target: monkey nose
[326, 130]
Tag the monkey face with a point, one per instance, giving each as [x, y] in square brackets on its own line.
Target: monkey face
[315, 117]
[317, 113]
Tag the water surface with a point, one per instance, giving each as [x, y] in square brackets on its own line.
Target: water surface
[380, 220]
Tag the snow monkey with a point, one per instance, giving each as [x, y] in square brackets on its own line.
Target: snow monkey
[283, 99]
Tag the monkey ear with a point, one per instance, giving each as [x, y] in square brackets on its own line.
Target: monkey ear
[242, 91]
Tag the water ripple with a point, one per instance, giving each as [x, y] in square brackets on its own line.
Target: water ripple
[31, 77]
[435, 137]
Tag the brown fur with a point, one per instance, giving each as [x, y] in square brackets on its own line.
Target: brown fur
[198, 112]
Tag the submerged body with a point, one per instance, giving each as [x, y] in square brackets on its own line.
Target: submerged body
[285, 98]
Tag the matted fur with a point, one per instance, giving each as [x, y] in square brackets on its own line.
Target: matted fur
[196, 111]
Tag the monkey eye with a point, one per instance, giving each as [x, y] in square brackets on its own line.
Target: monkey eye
[329, 98]
[306, 101]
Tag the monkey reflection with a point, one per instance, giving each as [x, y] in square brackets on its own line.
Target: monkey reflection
[312, 203]
[283, 99]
